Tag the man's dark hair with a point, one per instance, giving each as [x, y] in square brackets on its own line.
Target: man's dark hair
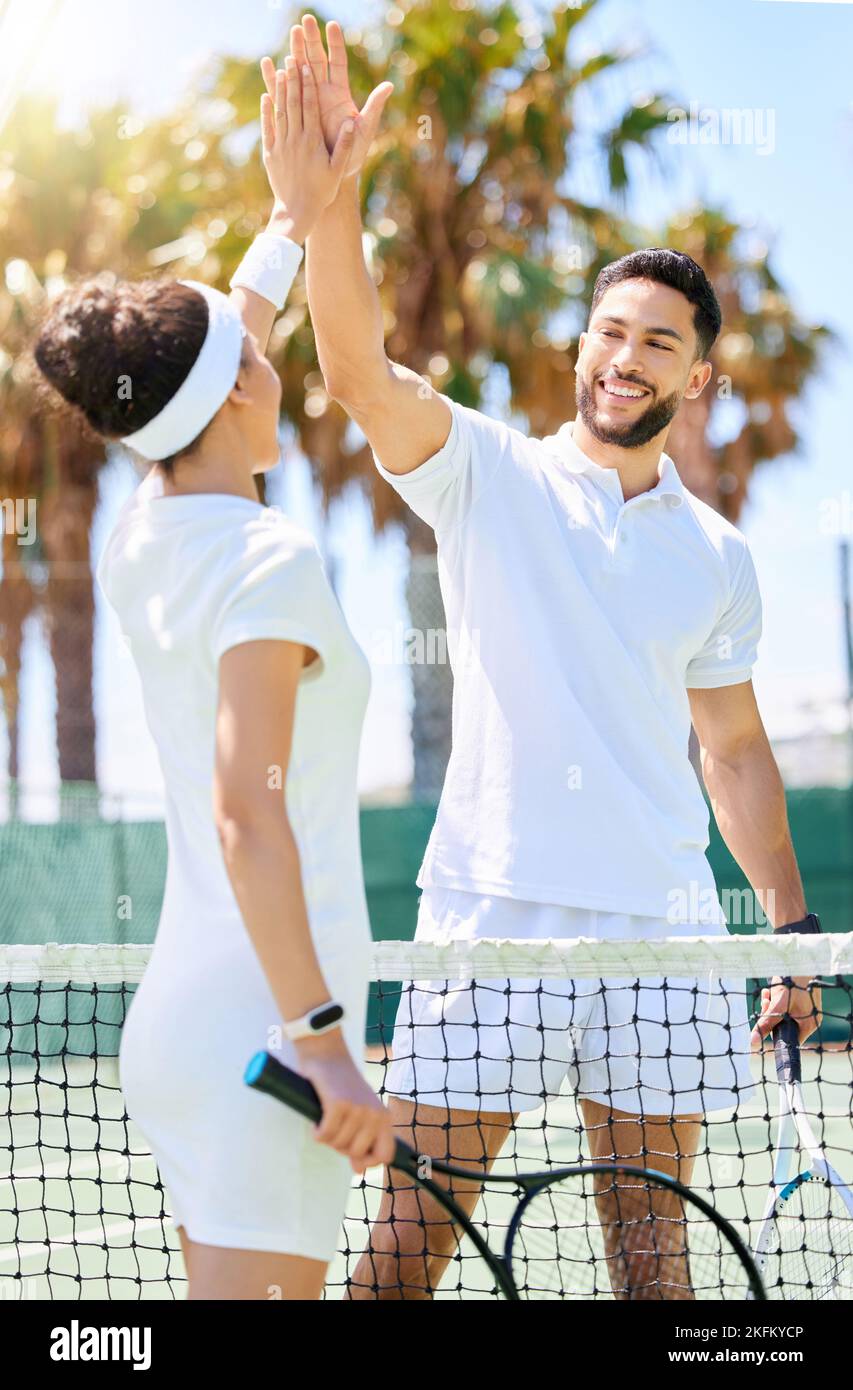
[681, 273]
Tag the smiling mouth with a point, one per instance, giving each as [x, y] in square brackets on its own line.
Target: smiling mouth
[622, 391]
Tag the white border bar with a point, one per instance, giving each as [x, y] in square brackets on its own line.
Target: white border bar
[489, 959]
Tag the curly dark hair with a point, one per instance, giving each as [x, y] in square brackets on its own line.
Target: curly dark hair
[680, 272]
[118, 350]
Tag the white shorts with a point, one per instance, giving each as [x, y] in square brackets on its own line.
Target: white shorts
[506, 1045]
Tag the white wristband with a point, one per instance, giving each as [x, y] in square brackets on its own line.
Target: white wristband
[269, 267]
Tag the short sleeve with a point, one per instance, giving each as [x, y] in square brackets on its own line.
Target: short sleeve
[729, 654]
[442, 490]
[275, 590]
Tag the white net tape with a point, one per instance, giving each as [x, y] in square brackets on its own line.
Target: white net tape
[490, 959]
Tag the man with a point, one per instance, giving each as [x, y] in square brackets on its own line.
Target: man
[594, 608]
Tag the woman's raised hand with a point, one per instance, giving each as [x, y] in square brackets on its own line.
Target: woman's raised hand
[304, 174]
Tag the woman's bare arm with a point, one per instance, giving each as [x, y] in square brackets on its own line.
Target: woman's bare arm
[254, 729]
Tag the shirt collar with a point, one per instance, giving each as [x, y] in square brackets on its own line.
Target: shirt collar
[563, 445]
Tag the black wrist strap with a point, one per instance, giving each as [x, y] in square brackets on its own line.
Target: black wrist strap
[808, 925]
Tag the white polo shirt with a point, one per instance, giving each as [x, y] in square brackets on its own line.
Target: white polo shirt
[576, 621]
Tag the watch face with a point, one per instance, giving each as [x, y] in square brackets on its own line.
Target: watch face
[324, 1018]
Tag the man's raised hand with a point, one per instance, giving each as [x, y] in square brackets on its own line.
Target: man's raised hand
[333, 90]
[304, 176]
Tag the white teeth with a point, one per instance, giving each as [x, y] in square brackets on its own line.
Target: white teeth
[621, 391]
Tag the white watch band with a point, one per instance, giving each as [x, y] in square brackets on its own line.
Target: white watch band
[269, 267]
[316, 1022]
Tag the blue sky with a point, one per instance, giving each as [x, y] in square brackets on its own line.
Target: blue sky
[788, 60]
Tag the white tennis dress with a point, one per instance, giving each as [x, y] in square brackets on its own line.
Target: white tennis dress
[190, 577]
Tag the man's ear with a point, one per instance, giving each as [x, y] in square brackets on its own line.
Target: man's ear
[699, 378]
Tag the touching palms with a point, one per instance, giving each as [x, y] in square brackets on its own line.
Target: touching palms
[333, 90]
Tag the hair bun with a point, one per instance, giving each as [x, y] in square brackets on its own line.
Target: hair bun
[118, 350]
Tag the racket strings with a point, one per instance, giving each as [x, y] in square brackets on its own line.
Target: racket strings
[621, 1238]
[811, 1256]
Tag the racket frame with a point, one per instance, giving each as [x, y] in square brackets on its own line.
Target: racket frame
[794, 1125]
[267, 1074]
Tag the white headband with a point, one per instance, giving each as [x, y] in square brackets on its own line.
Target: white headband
[211, 378]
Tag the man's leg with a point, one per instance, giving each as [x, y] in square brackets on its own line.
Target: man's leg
[645, 1237]
[412, 1238]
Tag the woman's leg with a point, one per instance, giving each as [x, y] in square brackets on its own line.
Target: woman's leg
[217, 1273]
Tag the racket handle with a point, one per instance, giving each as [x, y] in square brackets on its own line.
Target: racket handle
[786, 1046]
[266, 1073]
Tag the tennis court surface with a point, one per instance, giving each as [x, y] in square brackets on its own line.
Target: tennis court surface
[82, 1211]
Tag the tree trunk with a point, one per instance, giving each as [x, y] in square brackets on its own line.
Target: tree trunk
[65, 525]
[690, 451]
[432, 679]
[16, 603]
[70, 617]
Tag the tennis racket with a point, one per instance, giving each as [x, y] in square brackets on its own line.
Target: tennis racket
[804, 1247]
[594, 1230]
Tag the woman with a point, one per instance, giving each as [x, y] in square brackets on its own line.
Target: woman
[254, 692]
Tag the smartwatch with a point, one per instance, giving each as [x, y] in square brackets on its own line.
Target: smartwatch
[316, 1022]
[808, 925]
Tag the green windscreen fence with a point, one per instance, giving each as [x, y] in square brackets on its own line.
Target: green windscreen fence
[85, 879]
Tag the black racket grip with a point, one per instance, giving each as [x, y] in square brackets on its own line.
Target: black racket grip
[786, 1046]
[266, 1073]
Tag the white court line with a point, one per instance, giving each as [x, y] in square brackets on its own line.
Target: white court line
[97, 1235]
[60, 1170]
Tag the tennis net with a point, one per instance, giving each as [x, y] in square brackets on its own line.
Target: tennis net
[555, 1033]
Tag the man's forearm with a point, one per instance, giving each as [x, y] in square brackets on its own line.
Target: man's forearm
[343, 301]
[748, 800]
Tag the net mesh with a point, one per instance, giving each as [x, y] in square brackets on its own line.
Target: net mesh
[548, 1053]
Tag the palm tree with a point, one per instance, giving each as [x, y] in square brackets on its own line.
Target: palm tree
[17, 601]
[135, 199]
[763, 361]
[485, 267]
[468, 229]
[71, 204]
[49, 201]
[484, 263]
